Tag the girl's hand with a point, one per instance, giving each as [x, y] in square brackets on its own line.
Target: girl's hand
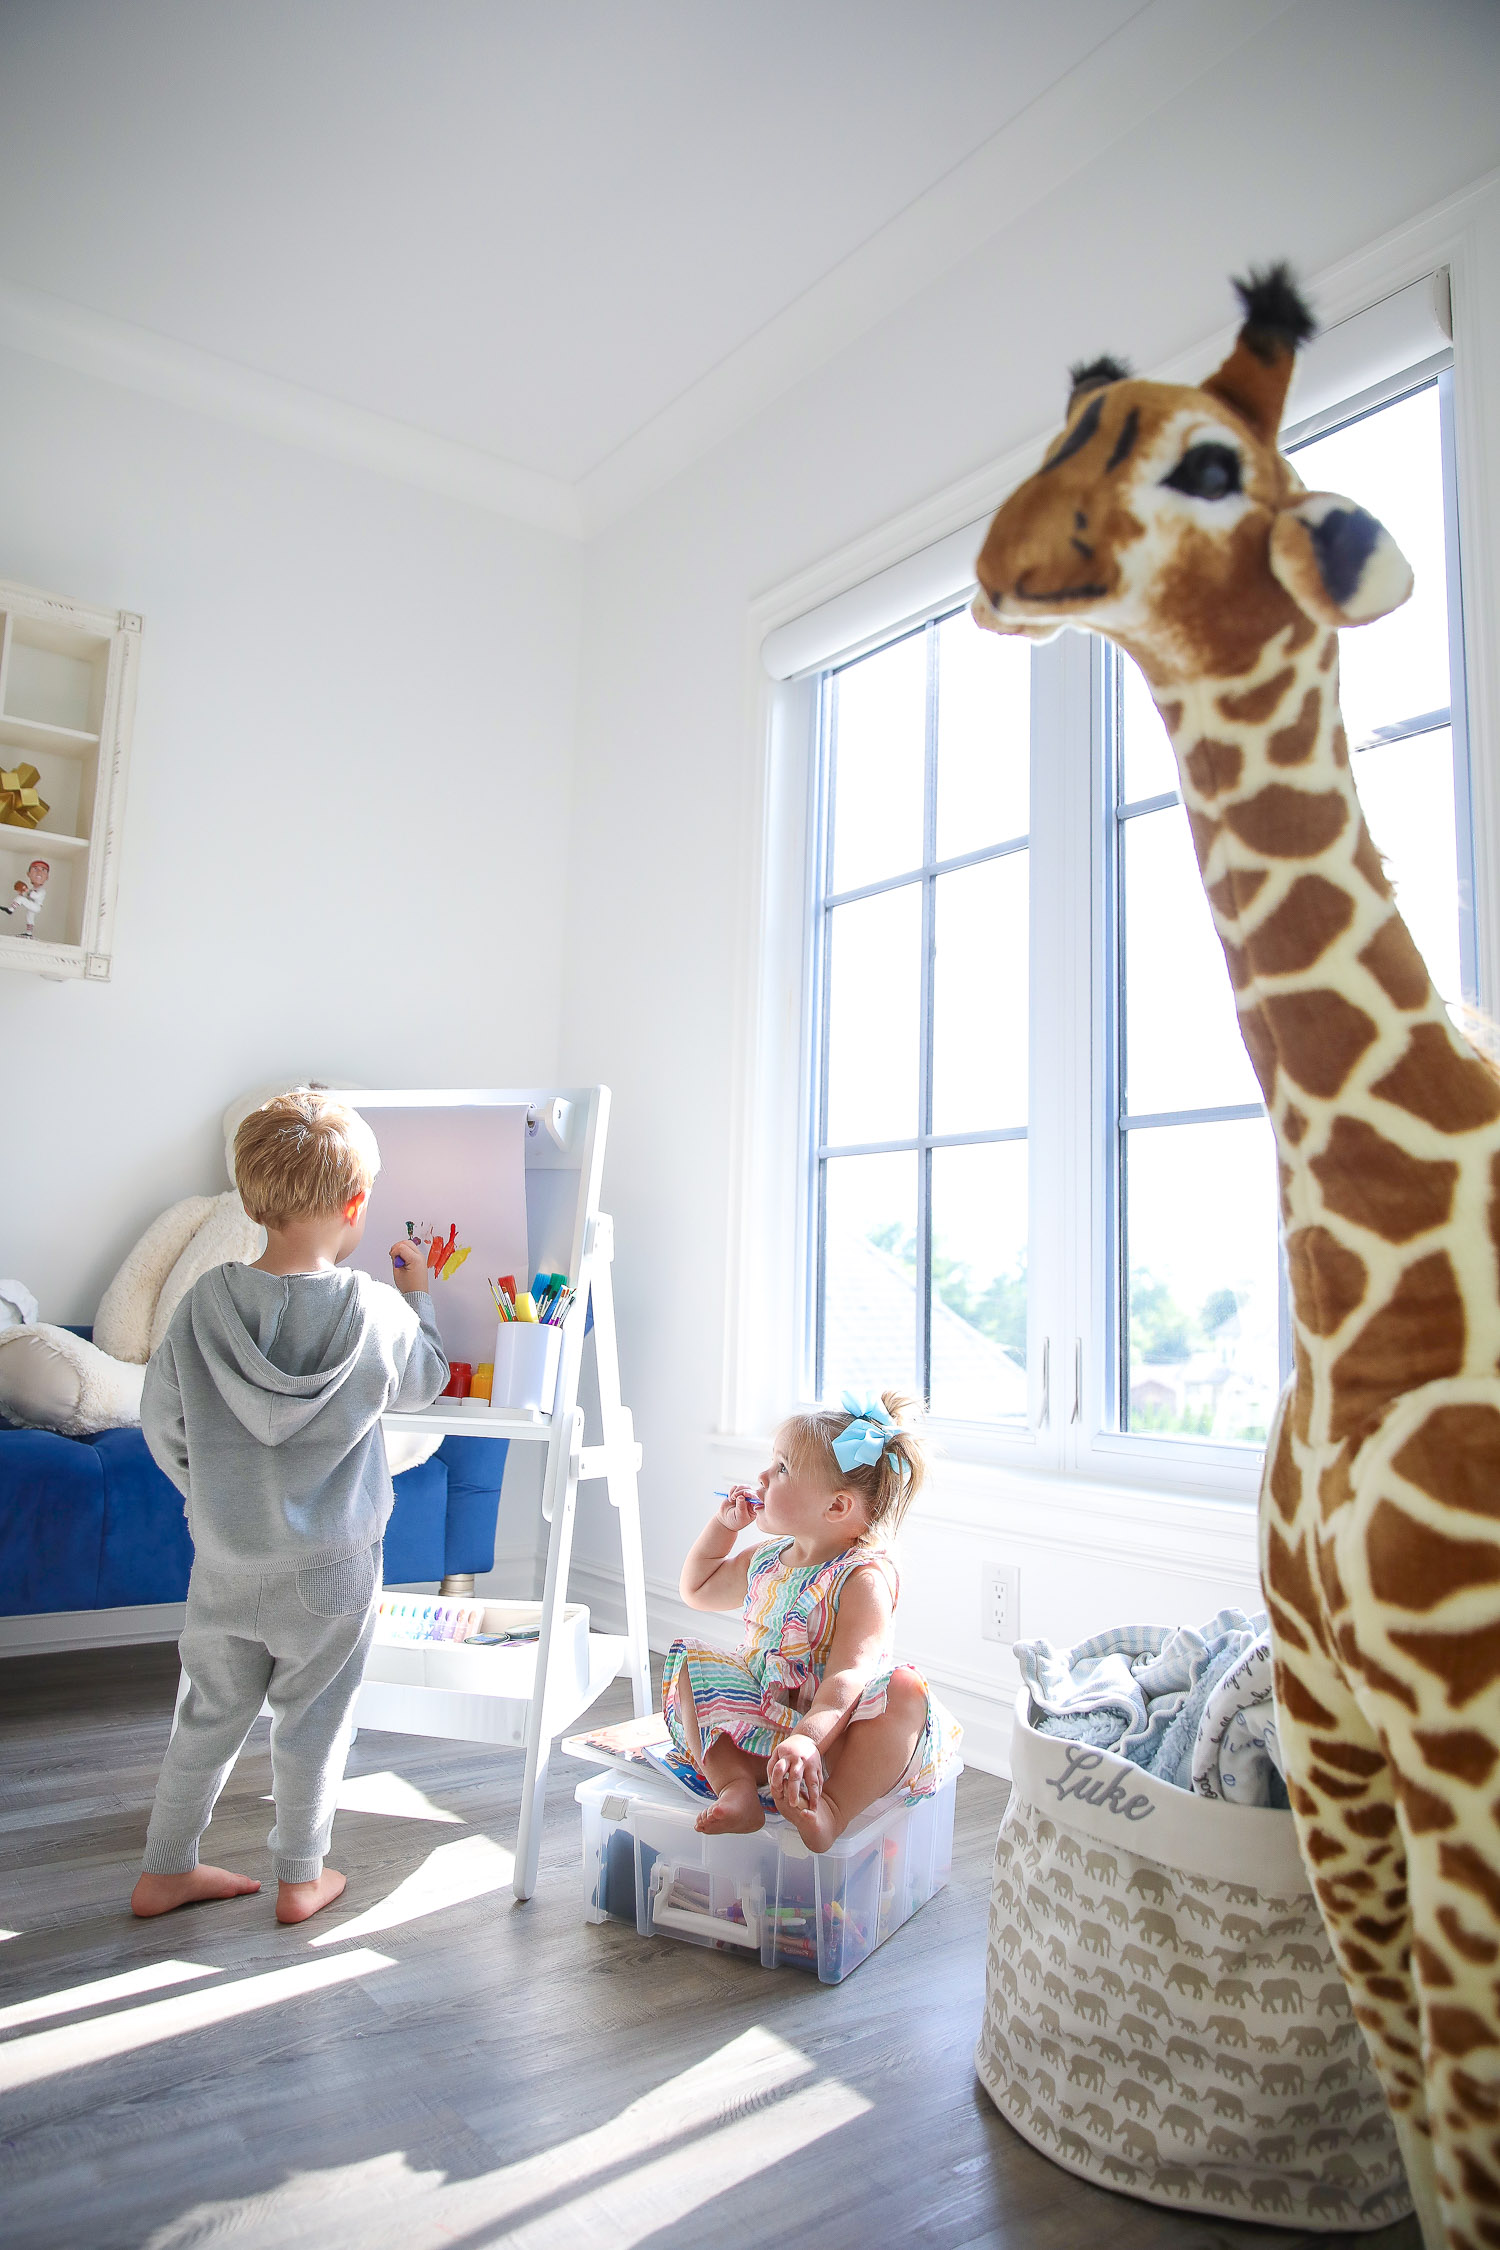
[740, 1507]
[794, 1774]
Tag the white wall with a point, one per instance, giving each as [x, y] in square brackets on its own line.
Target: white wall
[1345, 119]
[352, 759]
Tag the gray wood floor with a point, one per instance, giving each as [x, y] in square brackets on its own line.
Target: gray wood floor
[452, 2068]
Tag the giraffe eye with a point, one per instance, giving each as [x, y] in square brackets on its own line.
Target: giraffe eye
[1206, 472]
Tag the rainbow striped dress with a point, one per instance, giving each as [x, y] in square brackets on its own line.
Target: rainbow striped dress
[757, 1694]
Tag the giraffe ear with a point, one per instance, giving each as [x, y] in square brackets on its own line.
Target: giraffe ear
[1336, 561]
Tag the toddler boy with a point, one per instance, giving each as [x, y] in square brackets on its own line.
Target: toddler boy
[263, 1404]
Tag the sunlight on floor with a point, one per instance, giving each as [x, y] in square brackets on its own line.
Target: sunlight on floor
[388, 1793]
[105, 1988]
[72, 2046]
[472, 1867]
[729, 2116]
[4, 1934]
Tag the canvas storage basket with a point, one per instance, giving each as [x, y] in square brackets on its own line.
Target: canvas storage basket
[1163, 2013]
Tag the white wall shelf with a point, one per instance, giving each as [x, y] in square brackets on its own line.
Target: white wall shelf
[67, 702]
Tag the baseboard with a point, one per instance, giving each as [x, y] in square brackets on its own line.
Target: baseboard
[982, 1707]
[59, 1629]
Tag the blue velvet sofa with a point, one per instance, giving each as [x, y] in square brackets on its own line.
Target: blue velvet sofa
[92, 1523]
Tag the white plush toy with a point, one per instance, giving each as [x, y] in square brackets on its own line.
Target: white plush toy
[51, 1379]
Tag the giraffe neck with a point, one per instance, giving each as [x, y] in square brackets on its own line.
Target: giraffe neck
[1386, 1124]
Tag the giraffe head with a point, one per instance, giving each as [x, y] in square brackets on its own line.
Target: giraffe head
[1164, 516]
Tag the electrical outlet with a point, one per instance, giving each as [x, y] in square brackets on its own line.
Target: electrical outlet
[1000, 1602]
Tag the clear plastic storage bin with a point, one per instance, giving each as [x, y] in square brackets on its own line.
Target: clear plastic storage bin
[767, 1894]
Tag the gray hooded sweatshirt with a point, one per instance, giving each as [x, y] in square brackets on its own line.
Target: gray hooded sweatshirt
[263, 1401]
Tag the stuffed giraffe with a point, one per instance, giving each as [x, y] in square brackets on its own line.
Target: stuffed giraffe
[1165, 518]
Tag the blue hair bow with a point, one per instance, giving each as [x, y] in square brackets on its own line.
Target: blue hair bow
[863, 1442]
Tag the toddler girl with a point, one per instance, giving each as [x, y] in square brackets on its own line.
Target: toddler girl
[812, 1707]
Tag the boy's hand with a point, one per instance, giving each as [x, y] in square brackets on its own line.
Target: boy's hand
[409, 1267]
[794, 1774]
[738, 1509]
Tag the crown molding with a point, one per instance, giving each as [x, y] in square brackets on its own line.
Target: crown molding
[1147, 63]
[1162, 49]
[116, 351]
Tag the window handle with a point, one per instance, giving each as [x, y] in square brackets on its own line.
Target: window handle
[1077, 1413]
[1044, 1409]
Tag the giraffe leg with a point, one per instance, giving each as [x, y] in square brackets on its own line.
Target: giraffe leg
[1412, 1573]
[1344, 1800]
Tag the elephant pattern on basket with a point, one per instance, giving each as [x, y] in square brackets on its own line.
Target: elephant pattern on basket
[1186, 2040]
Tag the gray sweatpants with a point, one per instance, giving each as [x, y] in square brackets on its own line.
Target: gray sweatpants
[297, 1639]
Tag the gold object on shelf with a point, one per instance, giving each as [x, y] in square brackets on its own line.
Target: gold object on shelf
[20, 806]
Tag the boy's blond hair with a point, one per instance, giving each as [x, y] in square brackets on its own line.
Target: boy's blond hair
[887, 1486]
[302, 1155]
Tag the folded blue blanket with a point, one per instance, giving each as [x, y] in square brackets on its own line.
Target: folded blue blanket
[1148, 1691]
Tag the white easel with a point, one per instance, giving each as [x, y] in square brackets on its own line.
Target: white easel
[527, 1696]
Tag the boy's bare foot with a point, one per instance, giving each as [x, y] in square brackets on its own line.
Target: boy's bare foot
[298, 1902]
[159, 1894]
[738, 1811]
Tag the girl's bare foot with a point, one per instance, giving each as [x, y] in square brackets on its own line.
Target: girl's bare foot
[737, 1812]
[298, 1902]
[817, 1828]
[159, 1894]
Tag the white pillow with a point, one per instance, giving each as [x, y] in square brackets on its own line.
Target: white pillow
[226, 1237]
[52, 1380]
[122, 1325]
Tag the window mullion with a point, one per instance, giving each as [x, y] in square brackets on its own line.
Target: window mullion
[924, 1065]
[823, 988]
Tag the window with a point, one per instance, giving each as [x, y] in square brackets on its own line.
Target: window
[1028, 1195]
[920, 1174]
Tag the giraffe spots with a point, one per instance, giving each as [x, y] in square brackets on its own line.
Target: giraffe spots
[1463, 1865]
[1204, 833]
[1352, 1756]
[1335, 1600]
[1455, 1457]
[1480, 2185]
[1458, 1750]
[1416, 1567]
[1374, 1184]
[1372, 1673]
[1416, 1337]
[1431, 1967]
[1286, 1176]
[1458, 2031]
[1293, 1125]
[1450, 1090]
[1334, 1489]
[1466, 1663]
[1328, 1280]
[1302, 1392]
[1283, 1482]
[1372, 1821]
[1300, 930]
[1378, 1932]
[1440, 1085]
[1328, 653]
[1396, 965]
[1473, 1947]
[1340, 745]
[1257, 703]
[1214, 766]
[1292, 745]
[1171, 716]
[1233, 892]
[1290, 1579]
[1260, 1047]
[1319, 1845]
[1299, 1699]
[1298, 633]
[1318, 1036]
[1370, 863]
[1285, 823]
[1426, 1812]
[1333, 1787]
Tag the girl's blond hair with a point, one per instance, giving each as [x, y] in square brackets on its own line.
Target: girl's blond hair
[888, 1485]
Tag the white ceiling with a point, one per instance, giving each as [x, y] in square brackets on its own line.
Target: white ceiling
[551, 233]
